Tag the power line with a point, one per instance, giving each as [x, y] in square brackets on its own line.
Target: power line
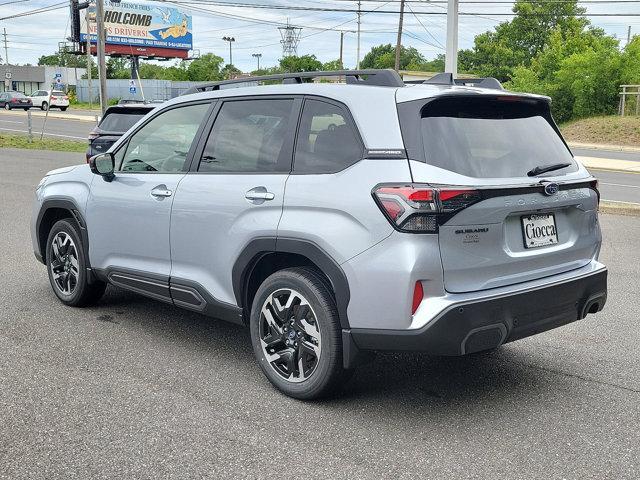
[55, 6]
[392, 12]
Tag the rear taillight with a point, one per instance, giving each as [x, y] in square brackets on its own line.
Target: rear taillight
[421, 208]
[54, 98]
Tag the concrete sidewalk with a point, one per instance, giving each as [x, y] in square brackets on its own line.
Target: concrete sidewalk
[613, 164]
[90, 116]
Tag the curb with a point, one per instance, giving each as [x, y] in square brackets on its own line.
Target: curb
[620, 208]
[604, 146]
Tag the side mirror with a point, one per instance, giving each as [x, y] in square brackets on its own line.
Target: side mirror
[103, 164]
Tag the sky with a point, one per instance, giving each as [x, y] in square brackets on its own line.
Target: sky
[30, 37]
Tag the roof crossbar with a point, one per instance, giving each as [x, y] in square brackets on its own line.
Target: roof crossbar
[380, 78]
[447, 79]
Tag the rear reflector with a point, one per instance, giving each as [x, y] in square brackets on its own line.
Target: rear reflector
[418, 294]
[416, 207]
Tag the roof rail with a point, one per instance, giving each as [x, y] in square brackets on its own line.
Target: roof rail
[380, 78]
[447, 79]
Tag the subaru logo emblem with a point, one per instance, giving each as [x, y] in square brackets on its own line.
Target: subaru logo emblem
[551, 188]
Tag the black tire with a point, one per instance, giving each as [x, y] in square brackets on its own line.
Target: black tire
[328, 373]
[44, 106]
[80, 292]
[26, 109]
[63, 109]
[7, 106]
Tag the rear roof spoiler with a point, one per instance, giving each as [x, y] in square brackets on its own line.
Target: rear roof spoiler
[447, 79]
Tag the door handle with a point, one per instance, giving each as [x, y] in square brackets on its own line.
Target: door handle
[259, 193]
[161, 191]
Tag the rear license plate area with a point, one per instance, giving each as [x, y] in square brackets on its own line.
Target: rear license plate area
[539, 230]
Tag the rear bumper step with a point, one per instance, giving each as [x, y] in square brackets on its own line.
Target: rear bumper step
[486, 324]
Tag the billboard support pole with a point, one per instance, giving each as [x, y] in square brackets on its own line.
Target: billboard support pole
[102, 68]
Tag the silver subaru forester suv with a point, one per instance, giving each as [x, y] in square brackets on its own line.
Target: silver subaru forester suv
[336, 219]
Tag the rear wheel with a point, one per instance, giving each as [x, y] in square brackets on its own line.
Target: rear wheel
[296, 334]
[7, 106]
[67, 267]
[62, 109]
[44, 106]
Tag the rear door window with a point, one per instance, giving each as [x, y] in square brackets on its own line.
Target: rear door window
[486, 138]
[327, 141]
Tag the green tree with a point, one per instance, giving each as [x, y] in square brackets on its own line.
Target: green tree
[63, 59]
[517, 42]
[205, 68]
[305, 63]
[384, 56]
[332, 65]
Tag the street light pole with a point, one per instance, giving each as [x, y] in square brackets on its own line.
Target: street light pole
[230, 40]
[257, 56]
[451, 53]
[102, 68]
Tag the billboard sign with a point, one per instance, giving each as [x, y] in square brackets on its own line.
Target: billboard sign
[141, 25]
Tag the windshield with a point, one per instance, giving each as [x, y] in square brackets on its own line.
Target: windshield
[119, 121]
[490, 138]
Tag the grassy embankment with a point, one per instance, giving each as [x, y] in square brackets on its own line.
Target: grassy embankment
[610, 130]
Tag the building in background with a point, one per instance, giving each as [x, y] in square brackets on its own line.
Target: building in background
[29, 78]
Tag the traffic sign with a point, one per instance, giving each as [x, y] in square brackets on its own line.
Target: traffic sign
[7, 75]
[132, 90]
[58, 80]
[58, 75]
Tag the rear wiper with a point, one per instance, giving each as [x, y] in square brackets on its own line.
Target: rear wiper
[546, 168]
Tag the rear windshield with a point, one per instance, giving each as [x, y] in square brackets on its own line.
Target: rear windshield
[487, 138]
[18, 95]
[58, 93]
[119, 121]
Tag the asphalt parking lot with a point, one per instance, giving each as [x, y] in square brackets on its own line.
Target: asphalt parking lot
[137, 389]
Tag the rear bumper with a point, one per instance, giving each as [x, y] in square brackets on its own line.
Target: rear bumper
[481, 324]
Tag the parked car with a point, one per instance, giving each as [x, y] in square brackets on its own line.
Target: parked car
[334, 220]
[116, 121]
[10, 100]
[58, 99]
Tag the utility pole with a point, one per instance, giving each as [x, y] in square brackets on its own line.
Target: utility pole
[89, 61]
[399, 40]
[451, 53]
[341, 45]
[257, 56]
[358, 47]
[6, 50]
[102, 68]
[628, 37]
[230, 40]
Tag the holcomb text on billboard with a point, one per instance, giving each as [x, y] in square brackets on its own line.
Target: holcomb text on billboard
[141, 24]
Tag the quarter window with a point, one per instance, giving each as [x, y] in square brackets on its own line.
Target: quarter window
[327, 142]
[249, 136]
[163, 143]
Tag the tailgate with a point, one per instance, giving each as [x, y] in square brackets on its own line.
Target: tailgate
[489, 244]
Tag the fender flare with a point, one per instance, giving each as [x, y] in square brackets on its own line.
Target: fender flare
[74, 210]
[260, 247]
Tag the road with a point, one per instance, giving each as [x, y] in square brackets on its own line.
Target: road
[132, 388]
[69, 129]
[614, 186]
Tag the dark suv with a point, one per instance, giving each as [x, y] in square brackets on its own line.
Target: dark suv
[116, 121]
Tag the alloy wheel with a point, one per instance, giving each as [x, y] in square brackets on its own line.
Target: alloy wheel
[64, 263]
[290, 335]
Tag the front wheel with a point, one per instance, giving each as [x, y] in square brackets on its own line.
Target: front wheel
[63, 109]
[7, 106]
[296, 334]
[67, 267]
[44, 106]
